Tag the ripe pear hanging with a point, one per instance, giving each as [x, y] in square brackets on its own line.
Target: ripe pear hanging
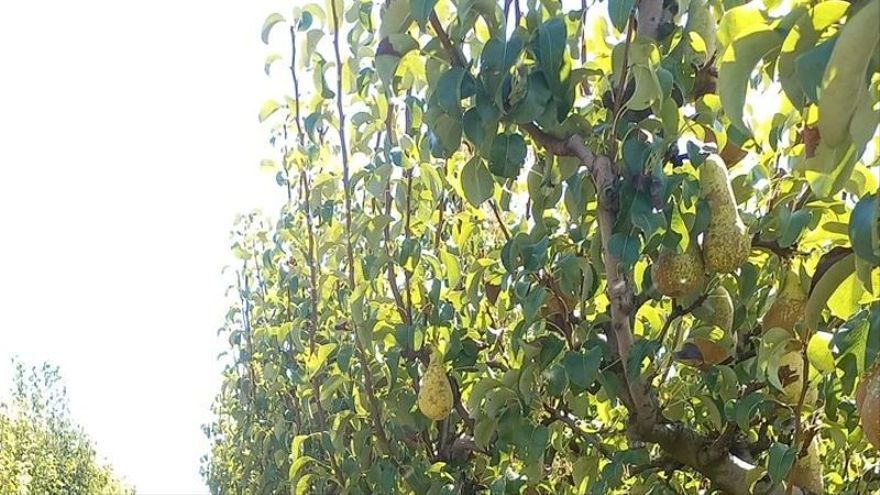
[807, 471]
[791, 370]
[789, 306]
[435, 394]
[726, 244]
[678, 274]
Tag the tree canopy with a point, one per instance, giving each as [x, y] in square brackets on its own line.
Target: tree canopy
[638, 237]
[41, 449]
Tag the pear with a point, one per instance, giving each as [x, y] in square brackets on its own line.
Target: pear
[678, 274]
[702, 22]
[793, 384]
[717, 309]
[789, 306]
[435, 393]
[807, 471]
[868, 405]
[726, 244]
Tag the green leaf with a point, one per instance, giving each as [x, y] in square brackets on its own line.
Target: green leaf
[535, 102]
[810, 66]
[551, 346]
[421, 10]
[507, 155]
[780, 459]
[864, 224]
[396, 18]
[448, 92]
[304, 484]
[477, 182]
[582, 367]
[859, 339]
[483, 431]
[740, 21]
[499, 56]
[802, 37]
[551, 49]
[268, 24]
[269, 61]
[389, 52]
[825, 288]
[645, 218]
[829, 170]
[297, 465]
[627, 248]
[537, 444]
[532, 303]
[735, 70]
[268, 108]
[444, 135]
[316, 360]
[647, 89]
[557, 380]
[746, 407]
[794, 227]
[819, 352]
[305, 21]
[641, 349]
[844, 302]
[330, 386]
[618, 12]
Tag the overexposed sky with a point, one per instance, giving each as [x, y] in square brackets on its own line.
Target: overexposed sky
[128, 141]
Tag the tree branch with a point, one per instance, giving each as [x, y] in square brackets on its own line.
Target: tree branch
[455, 54]
[384, 446]
[681, 443]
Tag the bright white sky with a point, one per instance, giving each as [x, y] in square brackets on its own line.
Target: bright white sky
[128, 141]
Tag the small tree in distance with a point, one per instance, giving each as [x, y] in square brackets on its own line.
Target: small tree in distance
[41, 450]
[638, 238]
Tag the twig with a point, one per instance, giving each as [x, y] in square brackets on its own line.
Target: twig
[775, 248]
[311, 260]
[456, 55]
[589, 437]
[498, 218]
[384, 446]
[299, 131]
[805, 384]
[621, 85]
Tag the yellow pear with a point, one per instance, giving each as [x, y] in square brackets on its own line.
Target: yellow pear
[726, 244]
[793, 363]
[807, 471]
[868, 405]
[789, 306]
[435, 393]
[678, 274]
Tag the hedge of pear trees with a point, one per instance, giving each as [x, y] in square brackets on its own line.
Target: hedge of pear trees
[42, 451]
[640, 237]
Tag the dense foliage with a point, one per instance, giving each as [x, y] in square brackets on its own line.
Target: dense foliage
[641, 236]
[41, 450]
